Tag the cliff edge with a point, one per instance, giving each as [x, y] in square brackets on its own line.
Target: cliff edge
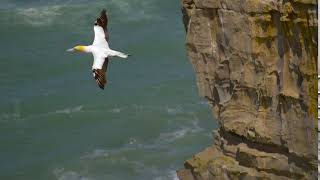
[256, 63]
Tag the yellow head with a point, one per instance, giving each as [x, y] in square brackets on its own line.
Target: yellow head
[79, 48]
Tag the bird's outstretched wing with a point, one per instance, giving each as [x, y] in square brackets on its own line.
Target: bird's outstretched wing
[102, 21]
[100, 77]
[101, 37]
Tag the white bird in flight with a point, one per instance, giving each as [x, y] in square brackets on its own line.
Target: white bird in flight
[100, 50]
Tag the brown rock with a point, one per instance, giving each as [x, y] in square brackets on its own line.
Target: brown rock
[256, 63]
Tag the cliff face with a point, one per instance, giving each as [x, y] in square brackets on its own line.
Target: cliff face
[256, 63]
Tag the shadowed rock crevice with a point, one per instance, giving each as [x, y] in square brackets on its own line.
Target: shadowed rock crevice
[256, 64]
[235, 140]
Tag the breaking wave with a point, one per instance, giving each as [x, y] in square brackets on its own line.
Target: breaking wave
[70, 12]
[40, 16]
[180, 133]
[69, 110]
[61, 174]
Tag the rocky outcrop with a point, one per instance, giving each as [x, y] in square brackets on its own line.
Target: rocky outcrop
[256, 63]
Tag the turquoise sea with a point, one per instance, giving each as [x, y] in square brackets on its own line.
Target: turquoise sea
[56, 124]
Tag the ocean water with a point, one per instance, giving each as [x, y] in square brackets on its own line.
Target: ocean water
[55, 123]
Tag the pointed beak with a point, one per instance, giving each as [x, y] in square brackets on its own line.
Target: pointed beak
[70, 50]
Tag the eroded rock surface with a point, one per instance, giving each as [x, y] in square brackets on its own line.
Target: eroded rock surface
[256, 63]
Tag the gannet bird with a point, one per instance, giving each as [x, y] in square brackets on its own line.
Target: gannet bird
[100, 50]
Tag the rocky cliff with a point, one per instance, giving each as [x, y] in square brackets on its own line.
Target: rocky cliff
[256, 63]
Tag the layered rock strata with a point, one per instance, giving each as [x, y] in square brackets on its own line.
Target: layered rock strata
[256, 63]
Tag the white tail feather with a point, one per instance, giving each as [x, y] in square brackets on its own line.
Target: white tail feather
[117, 53]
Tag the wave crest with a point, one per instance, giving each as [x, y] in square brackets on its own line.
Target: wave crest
[41, 15]
[61, 174]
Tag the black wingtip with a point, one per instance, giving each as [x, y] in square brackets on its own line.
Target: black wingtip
[104, 11]
[101, 87]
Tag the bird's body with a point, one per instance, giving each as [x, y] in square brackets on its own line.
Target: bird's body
[100, 50]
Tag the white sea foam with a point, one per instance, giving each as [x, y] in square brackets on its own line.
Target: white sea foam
[180, 133]
[40, 16]
[120, 11]
[15, 115]
[69, 110]
[132, 140]
[123, 155]
[154, 172]
[61, 174]
[173, 175]
[7, 117]
[131, 13]
[174, 110]
[115, 110]
[173, 136]
[206, 103]
[104, 153]
[169, 175]
[97, 153]
[124, 6]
